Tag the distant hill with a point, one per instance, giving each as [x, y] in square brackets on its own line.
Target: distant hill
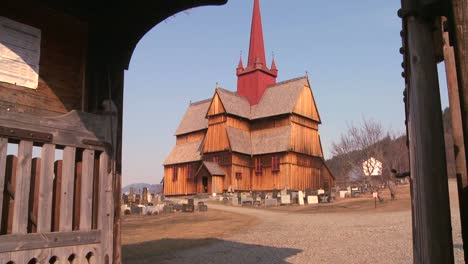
[153, 188]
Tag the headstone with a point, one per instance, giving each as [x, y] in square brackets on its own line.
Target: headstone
[300, 197]
[312, 199]
[203, 208]
[285, 199]
[271, 202]
[168, 209]
[343, 194]
[323, 198]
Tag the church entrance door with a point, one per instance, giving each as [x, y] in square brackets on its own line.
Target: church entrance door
[205, 184]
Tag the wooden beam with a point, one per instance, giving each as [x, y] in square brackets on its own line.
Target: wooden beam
[432, 230]
[20, 242]
[23, 180]
[66, 197]
[46, 184]
[458, 25]
[87, 179]
[3, 158]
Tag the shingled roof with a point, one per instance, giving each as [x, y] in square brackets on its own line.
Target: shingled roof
[194, 118]
[280, 98]
[213, 168]
[234, 104]
[271, 140]
[184, 153]
[239, 140]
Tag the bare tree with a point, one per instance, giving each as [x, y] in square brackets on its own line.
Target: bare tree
[359, 149]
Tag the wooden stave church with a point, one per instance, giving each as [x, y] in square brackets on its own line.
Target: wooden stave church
[261, 138]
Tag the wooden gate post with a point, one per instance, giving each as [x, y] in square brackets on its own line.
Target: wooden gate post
[458, 24]
[432, 232]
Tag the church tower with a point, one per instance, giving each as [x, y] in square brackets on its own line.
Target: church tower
[253, 80]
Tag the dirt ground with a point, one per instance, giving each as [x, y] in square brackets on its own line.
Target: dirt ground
[151, 239]
[344, 231]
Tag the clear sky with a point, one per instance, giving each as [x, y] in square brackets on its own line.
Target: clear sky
[349, 48]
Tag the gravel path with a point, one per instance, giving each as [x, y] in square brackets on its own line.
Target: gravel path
[282, 237]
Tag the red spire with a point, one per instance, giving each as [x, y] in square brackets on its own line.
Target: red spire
[257, 47]
[273, 66]
[256, 77]
[241, 64]
[240, 67]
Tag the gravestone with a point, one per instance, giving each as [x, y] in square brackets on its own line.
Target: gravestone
[271, 202]
[312, 199]
[300, 197]
[324, 198]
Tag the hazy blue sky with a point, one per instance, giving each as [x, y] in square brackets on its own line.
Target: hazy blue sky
[349, 48]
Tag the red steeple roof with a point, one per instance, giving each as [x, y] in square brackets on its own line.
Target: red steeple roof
[256, 77]
[257, 46]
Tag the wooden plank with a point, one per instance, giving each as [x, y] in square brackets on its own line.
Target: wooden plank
[431, 207]
[66, 197]
[34, 195]
[87, 179]
[46, 184]
[9, 194]
[77, 194]
[71, 129]
[3, 155]
[105, 223]
[57, 194]
[22, 187]
[20, 242]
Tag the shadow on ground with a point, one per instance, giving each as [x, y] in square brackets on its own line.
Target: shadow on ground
[205, 251]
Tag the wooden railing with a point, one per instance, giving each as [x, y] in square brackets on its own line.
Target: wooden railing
[56, 207]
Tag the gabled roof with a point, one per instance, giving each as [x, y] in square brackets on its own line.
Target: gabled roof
[233, 103]
[194, 118]
[280, 98]
[184, 153]
[213, 168]
[239, 140]
[271, 140]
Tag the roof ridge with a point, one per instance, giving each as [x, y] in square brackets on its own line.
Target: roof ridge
[231, 92]
[288, 81]
[201, 101]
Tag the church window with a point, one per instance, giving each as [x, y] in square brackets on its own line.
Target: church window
[275, 163]
[175, 173]
[258, 165]
[189, 171]
[238, 175]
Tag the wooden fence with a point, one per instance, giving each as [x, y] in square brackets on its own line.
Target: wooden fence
[56, 207]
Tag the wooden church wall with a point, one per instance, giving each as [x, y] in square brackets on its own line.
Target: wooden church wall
[305, 105]
[216, 106]
[241, 164]
[305, 140]
[270, 123]
[217, 184]
[191, 137]
[304, 171]
[62, 63]
[238, 123]
[300, 120]
[184, 184]
[269, 179]
[216, 138]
